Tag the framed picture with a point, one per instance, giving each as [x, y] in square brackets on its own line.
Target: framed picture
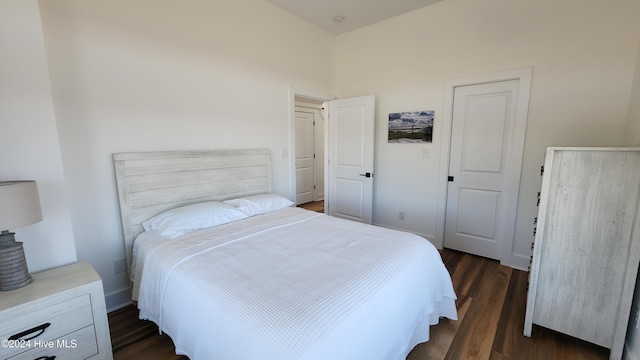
[411, 127]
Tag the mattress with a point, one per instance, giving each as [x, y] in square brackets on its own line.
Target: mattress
[292, 284]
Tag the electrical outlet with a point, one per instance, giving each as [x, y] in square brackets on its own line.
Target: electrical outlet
[401, 215]
[119, 266]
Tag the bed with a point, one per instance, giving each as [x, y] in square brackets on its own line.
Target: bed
[230, 270]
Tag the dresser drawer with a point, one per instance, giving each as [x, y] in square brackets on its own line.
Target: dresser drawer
[33, 323]
[64, 305]
[80, 344]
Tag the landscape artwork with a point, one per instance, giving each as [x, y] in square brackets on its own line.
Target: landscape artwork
[411, 127]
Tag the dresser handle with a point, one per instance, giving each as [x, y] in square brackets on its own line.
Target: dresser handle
[46, 358]
[39, 328]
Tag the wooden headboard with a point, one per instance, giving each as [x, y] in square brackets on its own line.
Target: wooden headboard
[149, 183]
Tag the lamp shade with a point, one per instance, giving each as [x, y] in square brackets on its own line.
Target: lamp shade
[19, 204]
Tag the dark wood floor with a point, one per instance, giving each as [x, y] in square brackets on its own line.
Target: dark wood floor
[491, 307]
[314, 206]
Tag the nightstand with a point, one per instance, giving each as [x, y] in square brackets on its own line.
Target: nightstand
[61, 315]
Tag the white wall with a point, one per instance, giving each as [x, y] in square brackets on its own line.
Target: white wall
[29, 145]
[632, 133]
[142, 75]
[583, 55]
[632, 138]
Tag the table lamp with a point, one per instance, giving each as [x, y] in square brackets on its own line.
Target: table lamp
[19, 206]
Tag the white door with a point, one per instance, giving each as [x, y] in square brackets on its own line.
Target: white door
[305, 169]
[350, 158]
[484, 168]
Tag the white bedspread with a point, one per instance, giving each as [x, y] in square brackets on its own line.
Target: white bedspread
[292, 284]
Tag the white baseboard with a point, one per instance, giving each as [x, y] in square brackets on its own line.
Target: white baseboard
[431, 238]
[519, 262]
[118, 299]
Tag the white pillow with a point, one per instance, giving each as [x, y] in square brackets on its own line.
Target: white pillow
[185, 219]
[258, 204]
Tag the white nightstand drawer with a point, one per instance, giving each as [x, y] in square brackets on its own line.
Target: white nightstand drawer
[77, 345]
[32, 323]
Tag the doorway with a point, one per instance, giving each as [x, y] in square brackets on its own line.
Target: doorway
[351, 172]
[309, 150]
[484, 127]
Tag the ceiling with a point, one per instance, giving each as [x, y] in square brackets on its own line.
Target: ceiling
[355, 13]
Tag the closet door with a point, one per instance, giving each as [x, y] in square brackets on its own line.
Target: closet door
[586, 250]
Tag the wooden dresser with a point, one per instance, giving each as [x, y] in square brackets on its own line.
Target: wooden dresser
[61, 315]
[587, 245]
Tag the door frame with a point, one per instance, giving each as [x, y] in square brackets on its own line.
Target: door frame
[523, 75]
[293, 93]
